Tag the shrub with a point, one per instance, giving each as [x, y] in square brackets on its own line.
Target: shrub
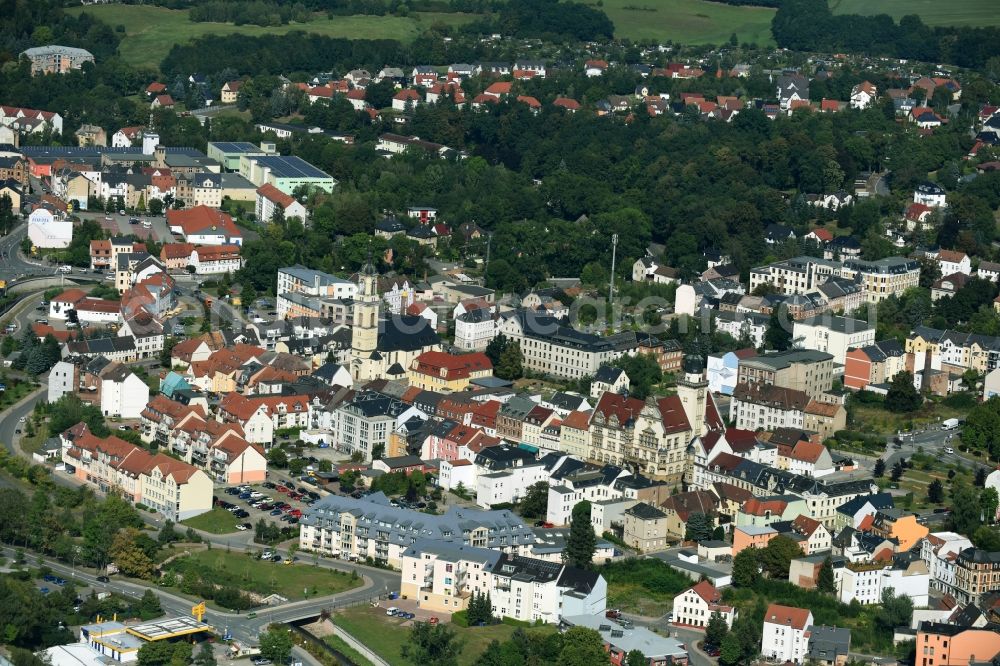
[460, 619]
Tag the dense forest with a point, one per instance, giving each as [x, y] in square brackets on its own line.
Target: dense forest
[809, 25]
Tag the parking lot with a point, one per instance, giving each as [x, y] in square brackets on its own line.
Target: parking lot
[281, 502]
[120, 225]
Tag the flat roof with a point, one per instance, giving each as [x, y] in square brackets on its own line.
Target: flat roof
[169, 628]
[235, 146]
[290, 167]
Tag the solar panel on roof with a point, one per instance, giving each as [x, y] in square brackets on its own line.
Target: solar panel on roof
[290, 167]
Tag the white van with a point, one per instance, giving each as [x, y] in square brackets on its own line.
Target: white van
[65, 269]
[949, 424]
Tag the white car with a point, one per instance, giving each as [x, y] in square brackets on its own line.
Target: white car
[65, 269]
[22, 419]
[242, 528]
[947, 449]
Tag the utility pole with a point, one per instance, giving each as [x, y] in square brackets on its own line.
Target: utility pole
[611, 285]
[489, 243]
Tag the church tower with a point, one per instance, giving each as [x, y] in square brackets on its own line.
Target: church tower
[365, 359]
[693, 392]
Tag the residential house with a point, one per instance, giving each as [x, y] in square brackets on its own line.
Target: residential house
[695, 606]
[786, 634]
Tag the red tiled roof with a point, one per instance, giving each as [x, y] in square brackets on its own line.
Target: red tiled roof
[567, 103]
[176, 251]
[217, 252]
[759, 507]
[450, 366]
[70, 296]
[202, 219]
[796, 618]
[272, 193]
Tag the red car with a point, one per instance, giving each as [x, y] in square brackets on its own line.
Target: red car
[296, 513]
[281, 489]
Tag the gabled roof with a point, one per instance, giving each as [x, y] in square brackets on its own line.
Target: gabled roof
[797, 618]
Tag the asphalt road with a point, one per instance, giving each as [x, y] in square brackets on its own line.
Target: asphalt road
[377, 582]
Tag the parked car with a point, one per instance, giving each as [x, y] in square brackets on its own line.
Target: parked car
[103, 579]
[391, 610]
[242, 528]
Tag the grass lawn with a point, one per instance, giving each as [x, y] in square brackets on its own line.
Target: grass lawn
[151, 31]
[868, 418]
[343, 648]
[387, 635]
[635, 598]
[973, 13]
[689, 21]
[247, 573]
[34, 444]
[216, 521]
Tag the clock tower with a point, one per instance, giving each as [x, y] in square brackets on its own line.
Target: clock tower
[366, 362]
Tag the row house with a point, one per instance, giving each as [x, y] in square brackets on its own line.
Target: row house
[865, 582]
[168, 486]
[160, 416]
[261, 416]
[977, 572]
[219, 449]
[215, 259]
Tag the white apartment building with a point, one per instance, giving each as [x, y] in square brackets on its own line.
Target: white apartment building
[833, 335]
[786, 637]
[302, 280]
[443, 576]
[939, 550]
[867, 581]
[475, 329]
[695, 606]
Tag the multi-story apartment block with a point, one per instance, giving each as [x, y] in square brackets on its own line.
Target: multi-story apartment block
[806, 370]
[356, 529]
[866, 581]
[219, 449]
[794, 276]
[364, 425]
[169, 486]
[652, 435]
[942, 644]
[939, 551]
[560, 351]
[876, 363]
[444, 576]
[883, 278]
[977, 572]
[56, 59]
[786, 634]
[833, 335]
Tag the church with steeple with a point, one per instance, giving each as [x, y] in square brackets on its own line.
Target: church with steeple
[382, 347]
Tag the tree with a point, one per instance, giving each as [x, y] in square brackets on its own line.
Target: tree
[988, 501]
[896, 610]
[897, 472]
[699, 527]
[130, 558]
[432, 644]
[643, 372]
[636, 658]
[276, 644]
[716, 630]
[778, 336]
[965, 508]
[777, 556]
[825, 581]
[149, 605]
[582, 541]
[879, 470]
[511, 364]
[730, 652]
[277, 457]
[935, 492]
[163, 653]
[745, 568]
[902, 397]
[582, 647]
[206, 655]
[535, 502]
